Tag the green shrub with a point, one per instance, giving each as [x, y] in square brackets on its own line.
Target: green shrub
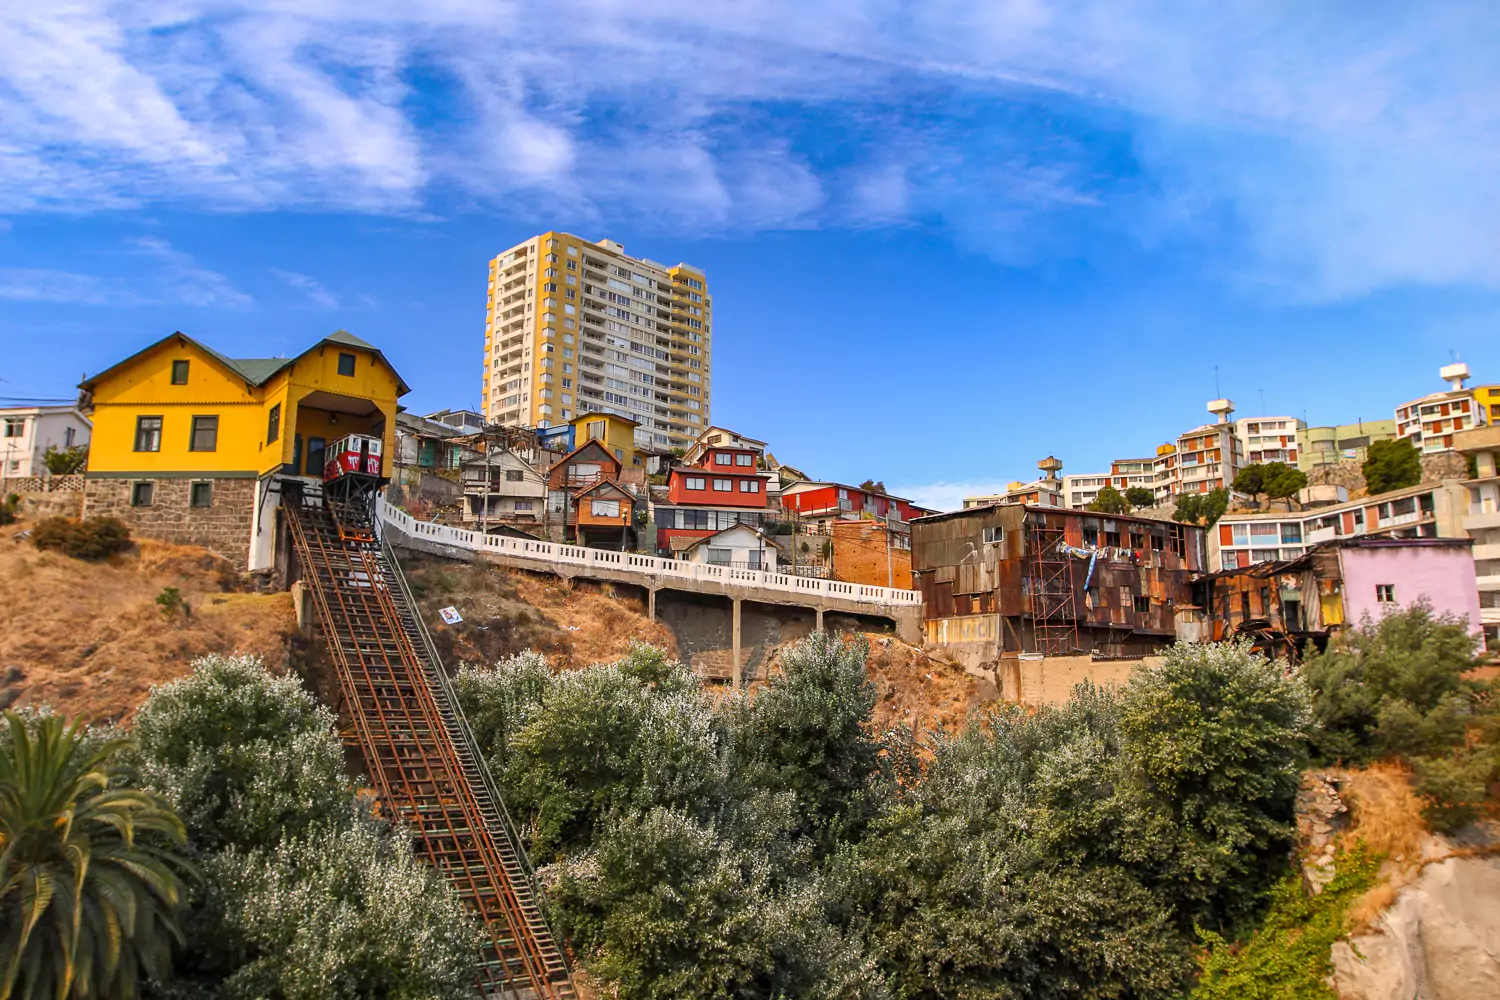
[1288, 955]
[8, 508]
[247, 758]
[170, 601]
[341, 914]
[93, 538]
[1454, 787]
[1215, 739]
[1393, 687]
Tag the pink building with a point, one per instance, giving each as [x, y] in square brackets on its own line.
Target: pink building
[1380, 575]
[1337, 584]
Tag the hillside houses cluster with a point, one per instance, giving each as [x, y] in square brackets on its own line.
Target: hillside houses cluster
[723, 500]
[194, 447]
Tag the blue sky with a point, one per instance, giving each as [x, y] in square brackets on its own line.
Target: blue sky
[944, 240]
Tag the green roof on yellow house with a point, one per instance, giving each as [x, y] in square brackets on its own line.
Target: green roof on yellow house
[257, 371]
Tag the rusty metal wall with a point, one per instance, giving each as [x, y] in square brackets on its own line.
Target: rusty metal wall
[960, 573]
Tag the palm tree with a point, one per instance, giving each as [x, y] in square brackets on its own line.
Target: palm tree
[90, 870]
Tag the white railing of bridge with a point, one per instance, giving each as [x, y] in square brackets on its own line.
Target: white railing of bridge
[604, 559]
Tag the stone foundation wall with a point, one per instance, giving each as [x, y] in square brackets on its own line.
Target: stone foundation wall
[1349, 473]
[62, 503]
[222, 527]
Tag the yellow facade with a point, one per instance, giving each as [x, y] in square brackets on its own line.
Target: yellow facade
[315, 399]
[1488, 396]
[573, 326]
[615, 432]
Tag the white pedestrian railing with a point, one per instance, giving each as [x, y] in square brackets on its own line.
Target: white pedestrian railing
[604, 559]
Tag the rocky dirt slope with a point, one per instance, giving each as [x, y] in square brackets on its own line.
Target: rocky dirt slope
[89, 639]
[1431, 927]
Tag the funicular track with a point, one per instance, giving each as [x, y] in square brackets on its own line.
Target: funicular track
[399, 709]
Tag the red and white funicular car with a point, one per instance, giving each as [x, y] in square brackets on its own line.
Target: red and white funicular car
[356, 454]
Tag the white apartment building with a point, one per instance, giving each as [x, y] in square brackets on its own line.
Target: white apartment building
[573, 327]
[1206, 458]
[1430, 510]
[1429, 423]
[1482, 522]
[27, 431]
[1081, 490]
[1269, 439]
[1124, 474]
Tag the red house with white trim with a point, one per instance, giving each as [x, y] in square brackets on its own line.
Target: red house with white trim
[725, 488]
[816, 501]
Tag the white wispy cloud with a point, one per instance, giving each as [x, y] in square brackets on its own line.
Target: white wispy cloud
[30, 284]
[317, 296]
[1343, 153]
[171, 277]
[185, 280]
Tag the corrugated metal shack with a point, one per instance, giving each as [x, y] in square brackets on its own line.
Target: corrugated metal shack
[1053, 582]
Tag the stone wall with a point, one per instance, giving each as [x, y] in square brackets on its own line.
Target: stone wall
[222, 527]
[60, 503]
[1349, 474]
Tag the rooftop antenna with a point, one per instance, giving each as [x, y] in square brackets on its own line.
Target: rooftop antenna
[1217, 393]
[1262, 400]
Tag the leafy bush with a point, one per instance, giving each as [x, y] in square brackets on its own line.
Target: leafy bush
[1392, 687]
[307, 896]
[809, 731]
[1396, 688]
[341, 914]
[1215, 741]
[170, 601]
[1288, 956]
[1391, 465]
[247, 758]
[998, 875]
[8, 507]
[93, 538]
[64, 461]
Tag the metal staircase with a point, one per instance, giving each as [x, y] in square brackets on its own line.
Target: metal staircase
[398, 707]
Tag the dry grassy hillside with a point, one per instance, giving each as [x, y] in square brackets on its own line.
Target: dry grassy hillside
[89, 639]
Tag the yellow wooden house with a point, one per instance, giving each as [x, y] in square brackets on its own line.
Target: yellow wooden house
[615, 432]
[188, 444]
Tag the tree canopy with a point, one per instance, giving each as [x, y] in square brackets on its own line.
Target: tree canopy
[774, 845]
[1274, 479]
[1391, 465]
[1110, 501]
[1201, 508]
[1139, 496]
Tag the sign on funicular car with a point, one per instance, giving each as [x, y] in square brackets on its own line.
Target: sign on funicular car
[351, 455]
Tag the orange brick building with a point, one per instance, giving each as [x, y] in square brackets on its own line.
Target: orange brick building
[868, 552]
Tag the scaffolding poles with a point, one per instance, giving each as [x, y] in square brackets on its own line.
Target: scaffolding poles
[1054, 603]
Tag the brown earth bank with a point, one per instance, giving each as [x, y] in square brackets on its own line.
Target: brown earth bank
[89, 639]
[1430, 926]
[507, 611]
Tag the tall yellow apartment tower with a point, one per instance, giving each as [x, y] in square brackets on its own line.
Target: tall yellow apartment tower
[574, 327]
